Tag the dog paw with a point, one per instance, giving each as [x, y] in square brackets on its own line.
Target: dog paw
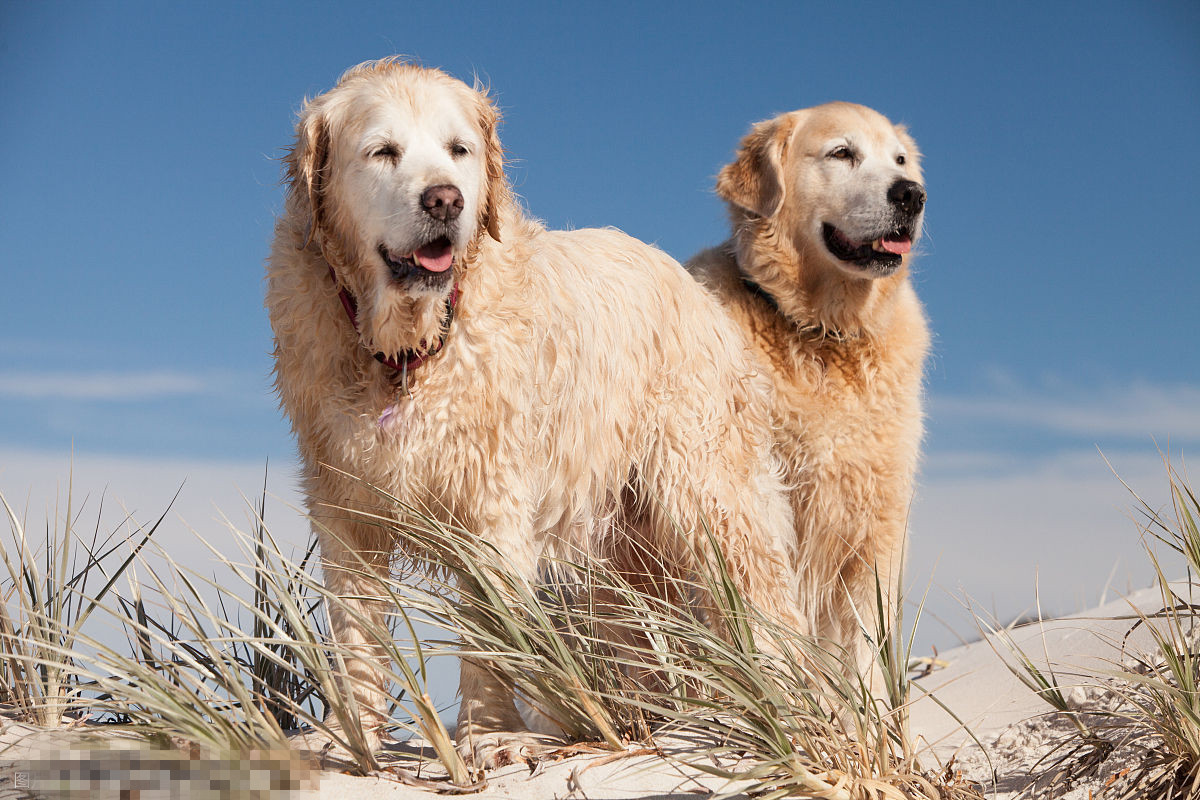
[491, 750]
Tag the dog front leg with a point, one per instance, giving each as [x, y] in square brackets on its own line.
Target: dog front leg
[491, 732]
[355, 560]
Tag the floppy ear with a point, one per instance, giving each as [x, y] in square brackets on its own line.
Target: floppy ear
[308, 164]
[755, 180]
[497, 189]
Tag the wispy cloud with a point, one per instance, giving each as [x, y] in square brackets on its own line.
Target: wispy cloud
[1004, 529]
[112, 386]
[1138, 410]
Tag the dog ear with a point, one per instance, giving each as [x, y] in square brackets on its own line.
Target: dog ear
[308, 165]
[754, 181]
[497, 188]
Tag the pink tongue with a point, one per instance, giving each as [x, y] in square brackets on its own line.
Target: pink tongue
[897, 246]
[435, 257]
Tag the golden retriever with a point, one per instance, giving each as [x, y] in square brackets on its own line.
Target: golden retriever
[542, 388]
[826, 204]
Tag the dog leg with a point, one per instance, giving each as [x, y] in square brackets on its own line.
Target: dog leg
[753, 529]
[490, 731]
[355, 558]
[730, 487]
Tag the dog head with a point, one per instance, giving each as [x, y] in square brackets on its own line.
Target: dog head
[401, 170]
[840, 180]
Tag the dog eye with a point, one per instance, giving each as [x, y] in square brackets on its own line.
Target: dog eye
[388, 151]
[901, 160]
[842, 153]
[458, 149]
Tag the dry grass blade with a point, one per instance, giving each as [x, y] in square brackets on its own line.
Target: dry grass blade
[233, 663]
[1041, 678]
[776, 711]
[44, 606]
[1157, 693]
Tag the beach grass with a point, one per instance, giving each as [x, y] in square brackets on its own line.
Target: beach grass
[45, 601]
[240, 661]
[773, 712]
[1156, 689]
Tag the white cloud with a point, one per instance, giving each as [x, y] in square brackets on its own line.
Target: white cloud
[72, 385]
[999, 528]
[36, 484]
[1169, 412]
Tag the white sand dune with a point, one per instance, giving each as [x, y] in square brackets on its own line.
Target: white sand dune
[1012, 723]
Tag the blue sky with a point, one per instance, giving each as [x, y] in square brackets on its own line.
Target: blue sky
[139, 147]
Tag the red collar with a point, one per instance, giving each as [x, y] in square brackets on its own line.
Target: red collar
[412, 358]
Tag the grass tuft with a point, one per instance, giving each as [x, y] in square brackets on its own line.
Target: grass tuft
[769, 709]
[236, 663]
[1161, 689]
[1157, 693]
[44, 604]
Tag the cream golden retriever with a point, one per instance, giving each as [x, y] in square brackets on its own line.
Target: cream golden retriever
[542, 388]
[826, 204]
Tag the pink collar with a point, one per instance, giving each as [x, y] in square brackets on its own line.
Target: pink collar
[413, 358]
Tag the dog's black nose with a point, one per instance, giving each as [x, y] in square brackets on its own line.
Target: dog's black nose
[908, 195]
[443, 202]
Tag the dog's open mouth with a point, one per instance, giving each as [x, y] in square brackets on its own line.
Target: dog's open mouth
[430, 263]
[882, 255]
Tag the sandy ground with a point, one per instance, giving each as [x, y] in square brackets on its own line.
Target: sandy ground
[1020, 739]
[1010, 736]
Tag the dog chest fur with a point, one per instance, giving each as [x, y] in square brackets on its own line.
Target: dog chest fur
[523, 333]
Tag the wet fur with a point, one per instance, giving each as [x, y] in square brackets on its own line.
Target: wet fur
[586, 380]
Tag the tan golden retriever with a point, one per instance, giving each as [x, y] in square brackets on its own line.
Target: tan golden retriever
[826, 204]
[538, 387]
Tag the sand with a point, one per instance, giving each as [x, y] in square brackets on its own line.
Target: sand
[1014, 726]
[1010, 734]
